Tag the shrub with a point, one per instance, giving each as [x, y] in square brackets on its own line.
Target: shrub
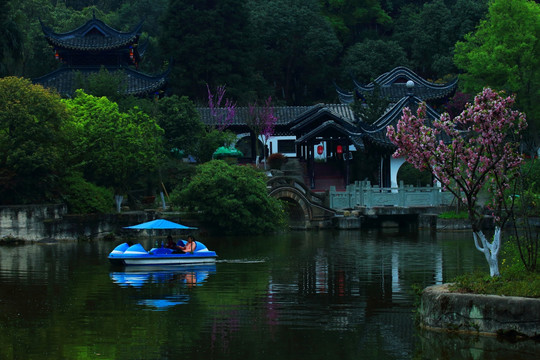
[231, 199]
[83, 197]
[275, 161]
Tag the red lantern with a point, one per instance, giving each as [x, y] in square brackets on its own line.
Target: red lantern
[320, 149]
[339, 149]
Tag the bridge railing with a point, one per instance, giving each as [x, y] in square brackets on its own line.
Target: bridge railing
[363, 194]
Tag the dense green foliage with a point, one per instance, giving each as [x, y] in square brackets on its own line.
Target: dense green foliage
[231, 199]
[503, 53]
[115, 149]
[33, 142]
[180, 120]
[211, 43]
[83, 197]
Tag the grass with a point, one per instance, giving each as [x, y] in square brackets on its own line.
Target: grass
[454, 215]
[524, 284]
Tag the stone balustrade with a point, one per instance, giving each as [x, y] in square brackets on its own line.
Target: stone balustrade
[363, 194]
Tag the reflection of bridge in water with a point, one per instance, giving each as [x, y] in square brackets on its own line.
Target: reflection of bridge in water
[360, 204]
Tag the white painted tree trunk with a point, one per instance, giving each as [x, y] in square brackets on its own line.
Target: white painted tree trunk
[118, 200]
[163, 200]
[490, 249]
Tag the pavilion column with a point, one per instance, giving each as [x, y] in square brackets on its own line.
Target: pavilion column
[385, 171]
[347, 163]
[311, 166]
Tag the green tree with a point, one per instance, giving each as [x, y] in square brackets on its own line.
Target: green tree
[181, 123]
[296, 48]
[103, 83]
[33, 142]
[210, 43]
[503, 53]
[352, 18]
[370, 58]
[426, 34]
[115, 149]
[11, 39]
[231, 199]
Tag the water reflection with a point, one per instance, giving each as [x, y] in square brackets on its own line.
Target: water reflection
[444, 346]
[299, 295]
[173, 279]
[137, 276]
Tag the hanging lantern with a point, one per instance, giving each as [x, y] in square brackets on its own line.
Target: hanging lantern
[320, 149]
[131, 56]
[56, 55]
[339, 149]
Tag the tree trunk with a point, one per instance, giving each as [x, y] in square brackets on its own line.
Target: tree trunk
[118, 199]
[490, 250]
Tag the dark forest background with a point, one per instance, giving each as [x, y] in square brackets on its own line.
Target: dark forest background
[294, 50]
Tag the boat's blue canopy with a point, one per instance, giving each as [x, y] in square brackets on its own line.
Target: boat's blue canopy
[159, 224]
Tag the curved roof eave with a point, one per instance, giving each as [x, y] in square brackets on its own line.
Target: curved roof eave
[355, 137]
[321, 112]
[75, 39]
[390, 77]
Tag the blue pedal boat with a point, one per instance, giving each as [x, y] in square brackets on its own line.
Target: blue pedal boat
[136, 254]
[126, 254]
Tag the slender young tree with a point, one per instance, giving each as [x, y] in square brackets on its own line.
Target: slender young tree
[262, 122]
[481, 151]
[223, 114]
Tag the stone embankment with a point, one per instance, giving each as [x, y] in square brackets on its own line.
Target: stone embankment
[41, 222]
[512, 316]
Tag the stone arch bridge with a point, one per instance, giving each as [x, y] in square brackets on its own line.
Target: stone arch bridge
[306, 208]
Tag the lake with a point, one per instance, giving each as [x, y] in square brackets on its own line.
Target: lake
[298, 295]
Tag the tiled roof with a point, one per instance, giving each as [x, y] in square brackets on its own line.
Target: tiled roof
[93, 36]
[332, 126]
[376, 133]
[64, 80]
[286, 115]
[392, 85]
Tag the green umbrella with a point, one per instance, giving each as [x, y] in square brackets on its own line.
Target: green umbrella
[223, 152]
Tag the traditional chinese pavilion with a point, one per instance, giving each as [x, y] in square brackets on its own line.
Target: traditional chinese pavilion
[329, 134]
[94, 46]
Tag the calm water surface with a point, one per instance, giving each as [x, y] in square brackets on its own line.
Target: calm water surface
[300, 295]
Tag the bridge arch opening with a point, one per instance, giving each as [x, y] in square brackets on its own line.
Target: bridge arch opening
[297, 217]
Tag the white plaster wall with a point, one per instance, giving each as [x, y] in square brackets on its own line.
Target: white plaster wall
[395, 164]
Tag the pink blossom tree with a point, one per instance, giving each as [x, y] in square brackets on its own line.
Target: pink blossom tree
[223, 114]
[476, 150]
[262, 121]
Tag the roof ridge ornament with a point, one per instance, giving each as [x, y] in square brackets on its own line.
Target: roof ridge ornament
[410, 87]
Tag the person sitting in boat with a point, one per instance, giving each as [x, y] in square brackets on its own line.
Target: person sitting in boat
[190, 246]
[171, 244]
